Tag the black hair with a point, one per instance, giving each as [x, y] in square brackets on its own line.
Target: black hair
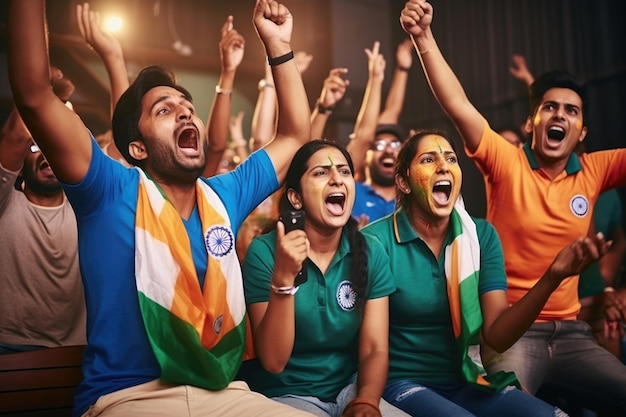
[405, 157]
[358, 245]
[556, 79]
[125, 123]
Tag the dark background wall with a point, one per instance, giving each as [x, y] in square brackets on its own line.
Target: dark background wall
[478, 37]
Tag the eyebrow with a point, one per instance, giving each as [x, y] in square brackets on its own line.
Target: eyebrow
[554, 102]
[330, 166]
[166, 97]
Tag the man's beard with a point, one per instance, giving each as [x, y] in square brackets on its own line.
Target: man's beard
[379, 179]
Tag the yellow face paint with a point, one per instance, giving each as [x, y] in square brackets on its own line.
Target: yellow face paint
[537, 119]
[579, 124]
[330, 159]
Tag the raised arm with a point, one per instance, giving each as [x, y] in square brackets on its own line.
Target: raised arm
[15, 139]
[240, 144]
[395, 97]
[264, 115]
[367, 119]
[107, 47]
[332, 92]
[416, 18]
[503, 325]
[231, 54]
[520, 70]
[60, 133]
[274, 24]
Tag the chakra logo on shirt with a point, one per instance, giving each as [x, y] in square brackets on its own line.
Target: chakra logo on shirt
[219, 241]
[346, 296]
[218, 323]
[579, 205]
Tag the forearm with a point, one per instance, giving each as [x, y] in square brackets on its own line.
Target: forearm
[28, 65]
[118, 77]
[275, 335]
[395, 97]
[294, 119]
[514, 321]
[14, 142]
[372, 375]
[318, 123]
[264, 116]
[365, 126]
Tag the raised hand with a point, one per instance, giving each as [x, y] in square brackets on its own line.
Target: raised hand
[273, 22]
[519, 69]
[578, 255]
[334, 87]
[231, 46]
[416, 17]
[90, 28]
[404, 54]
[291, 251]
[376, 62]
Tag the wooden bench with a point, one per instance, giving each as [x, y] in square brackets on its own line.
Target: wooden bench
[40, 383]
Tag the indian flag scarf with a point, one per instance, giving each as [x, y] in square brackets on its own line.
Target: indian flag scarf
[197, 336]
[462, 266]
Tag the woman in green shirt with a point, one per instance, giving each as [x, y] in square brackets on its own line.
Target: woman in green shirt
[311, 338]
[450, 289]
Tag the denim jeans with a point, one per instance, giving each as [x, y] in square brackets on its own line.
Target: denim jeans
[319, 408]
[460, 399]
[565, 357]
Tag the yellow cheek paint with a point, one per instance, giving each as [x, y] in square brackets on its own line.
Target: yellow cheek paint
[537, 120]
[579, 124]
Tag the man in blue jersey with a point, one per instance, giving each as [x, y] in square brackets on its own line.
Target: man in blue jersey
[165, 308]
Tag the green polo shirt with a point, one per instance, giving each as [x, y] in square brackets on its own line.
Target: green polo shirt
[607, 217]
[325, 352]
[421, 344]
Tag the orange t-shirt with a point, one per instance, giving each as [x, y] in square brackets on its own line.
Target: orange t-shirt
[536, 217]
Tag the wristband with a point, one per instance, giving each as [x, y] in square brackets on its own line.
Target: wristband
[220, 90]
[365, 401]
[609, 289]
[284, 290]
[280, 59]
[321, 109]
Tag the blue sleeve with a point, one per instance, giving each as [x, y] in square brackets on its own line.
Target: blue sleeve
[244, 188]
[105, 182]
[492, 275]
[258, 268]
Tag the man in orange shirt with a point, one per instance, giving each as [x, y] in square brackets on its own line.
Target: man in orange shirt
[540, 198]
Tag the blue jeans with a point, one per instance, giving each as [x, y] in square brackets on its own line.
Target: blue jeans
[565, 357]
[460, 399]
[321, 408]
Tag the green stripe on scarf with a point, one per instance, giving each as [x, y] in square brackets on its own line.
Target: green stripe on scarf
[462, 265]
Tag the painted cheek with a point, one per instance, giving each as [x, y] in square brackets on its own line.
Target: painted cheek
[579, 124]
[422, 179]
[537, 120]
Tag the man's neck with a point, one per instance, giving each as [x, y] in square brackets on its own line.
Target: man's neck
[388, 192]
[44, 200]
[183, 198]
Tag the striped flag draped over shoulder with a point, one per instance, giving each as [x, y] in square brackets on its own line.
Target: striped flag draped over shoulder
[462, 266]
[198, 337]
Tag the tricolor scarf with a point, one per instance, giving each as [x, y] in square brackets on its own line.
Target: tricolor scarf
[197, 336]
[462, 266]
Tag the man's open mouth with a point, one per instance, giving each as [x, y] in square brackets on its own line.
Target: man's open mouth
[556, 133]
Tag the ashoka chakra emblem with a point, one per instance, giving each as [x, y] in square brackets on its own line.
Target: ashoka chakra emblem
[219, 241]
